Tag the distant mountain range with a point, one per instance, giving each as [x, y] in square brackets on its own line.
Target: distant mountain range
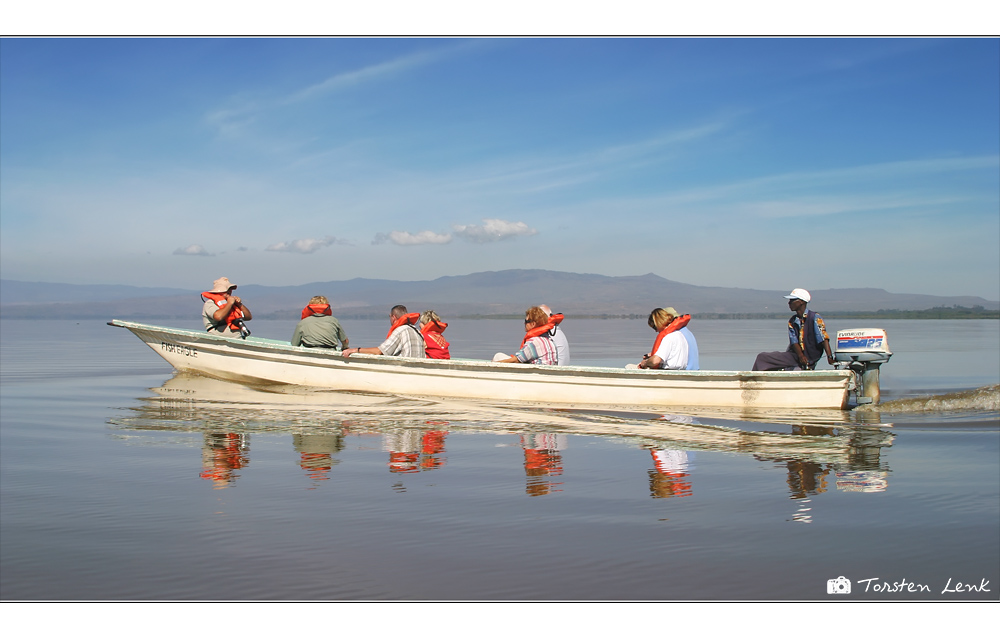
[478, 294]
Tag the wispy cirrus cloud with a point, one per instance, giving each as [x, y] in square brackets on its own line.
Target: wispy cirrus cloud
[869, 173]
[799, 194]
[193, 249]
[305, 246]
[363, 75]
[405, 238]
[824, 206]
[244, 110]
[536, 174]
[493, 230]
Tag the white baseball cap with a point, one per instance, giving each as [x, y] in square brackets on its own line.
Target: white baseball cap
[799, 294]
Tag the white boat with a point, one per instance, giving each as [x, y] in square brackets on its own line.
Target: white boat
[259, 360]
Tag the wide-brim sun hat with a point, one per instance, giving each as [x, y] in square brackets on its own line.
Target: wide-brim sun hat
[222, 285]
[799, 294]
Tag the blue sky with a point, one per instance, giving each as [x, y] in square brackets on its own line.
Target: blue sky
[757, 163]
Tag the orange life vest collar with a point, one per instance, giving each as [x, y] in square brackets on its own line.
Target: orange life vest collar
[409, 318]
[433, 326]
[675, 324]
[554, 320]
[316, 309]
[220, 300]
[435, 345]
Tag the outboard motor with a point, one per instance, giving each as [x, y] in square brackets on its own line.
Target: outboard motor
[863, 350]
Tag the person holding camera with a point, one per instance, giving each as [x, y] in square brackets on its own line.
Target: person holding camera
[224, 312]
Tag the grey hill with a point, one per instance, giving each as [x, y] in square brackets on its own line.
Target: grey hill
[489, 293]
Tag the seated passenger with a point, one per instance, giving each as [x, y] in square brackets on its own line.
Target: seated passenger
[318, 327]
[431, 327]
[403, 339]
[224, 312]
[537, 346]
[673, 348]
[807, 339]
[558, 336]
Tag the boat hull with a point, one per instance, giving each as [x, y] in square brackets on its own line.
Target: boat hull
[260, 360]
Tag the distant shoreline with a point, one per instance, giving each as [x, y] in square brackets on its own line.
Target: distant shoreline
[928, 314]
[932, 313]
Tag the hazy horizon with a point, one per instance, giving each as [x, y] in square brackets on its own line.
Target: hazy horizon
[461, 275]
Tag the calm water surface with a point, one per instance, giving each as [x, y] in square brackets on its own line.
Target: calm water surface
[124, 481]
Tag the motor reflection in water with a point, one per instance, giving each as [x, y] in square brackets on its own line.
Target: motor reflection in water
[817, 451]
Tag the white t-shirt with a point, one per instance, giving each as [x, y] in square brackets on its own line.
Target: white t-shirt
[673, 351]
[562, 347]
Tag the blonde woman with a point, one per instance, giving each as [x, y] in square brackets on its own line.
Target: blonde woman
[675, 347]
[435, 345]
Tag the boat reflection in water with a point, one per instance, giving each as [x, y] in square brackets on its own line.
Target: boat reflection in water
[819, 449]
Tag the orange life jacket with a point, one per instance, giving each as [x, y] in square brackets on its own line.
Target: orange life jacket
[235, 312]
[554, 320]
[675, 324]
[435, 345]
[316, 309]
[409, 318]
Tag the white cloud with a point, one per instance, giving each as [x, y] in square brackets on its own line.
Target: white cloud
[493, 230]
[405, 238]
[194, 249]
[304, 246]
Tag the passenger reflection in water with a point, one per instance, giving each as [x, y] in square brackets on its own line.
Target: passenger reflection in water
[411, 451]
[316, 454]
[541, 461]
[669, 475]
[863, 470]
[806, 478]
[222, 454]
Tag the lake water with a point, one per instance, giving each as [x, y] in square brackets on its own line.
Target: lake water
[124, 481]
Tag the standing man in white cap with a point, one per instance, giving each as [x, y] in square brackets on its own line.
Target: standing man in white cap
[807, 339]
[224, 312]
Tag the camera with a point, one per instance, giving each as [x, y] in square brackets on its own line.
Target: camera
[839, 586]
[244, 331]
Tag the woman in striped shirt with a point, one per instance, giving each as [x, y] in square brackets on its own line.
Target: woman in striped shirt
[537, 346]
